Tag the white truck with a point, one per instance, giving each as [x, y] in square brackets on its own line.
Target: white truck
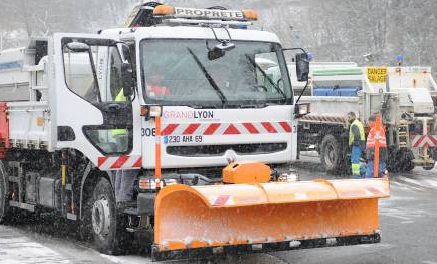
[176, 95]
[405, 96]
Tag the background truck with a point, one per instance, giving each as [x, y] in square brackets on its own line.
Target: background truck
[405, 96]
[78, 107]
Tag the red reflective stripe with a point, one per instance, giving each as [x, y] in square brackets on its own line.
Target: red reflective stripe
[285, 126]
[101, 160]
[414, 140]
[251, 128]
[419, 141]
[374, 190]
[211, 129]
[269, 127]
[383, 143]
[221, 200]
[433, 139]
[231, 130]
[169, 129]
[120, 161]
[190, 129]
[138, 163]
[427, 142]
[371, 139]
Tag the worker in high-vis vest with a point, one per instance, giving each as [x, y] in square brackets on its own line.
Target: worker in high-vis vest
[118, 134]
[124, 179]
[357, 141]
[373, 136]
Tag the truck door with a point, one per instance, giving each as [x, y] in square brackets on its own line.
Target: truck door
[93, 115]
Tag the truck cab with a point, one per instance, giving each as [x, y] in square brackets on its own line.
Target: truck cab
[214, 108]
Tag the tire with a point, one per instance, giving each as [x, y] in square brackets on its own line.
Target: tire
[4, 197]
[401, 161]
[332, 155]
[429, 167]
[106, 225]
[434, 157]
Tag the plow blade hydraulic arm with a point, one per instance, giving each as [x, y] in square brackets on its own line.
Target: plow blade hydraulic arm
[263, 215]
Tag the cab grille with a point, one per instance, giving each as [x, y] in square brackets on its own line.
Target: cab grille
[219, 150]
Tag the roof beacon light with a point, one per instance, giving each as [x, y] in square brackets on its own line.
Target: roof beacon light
[164, 10]
[196, 13]
[250, 14]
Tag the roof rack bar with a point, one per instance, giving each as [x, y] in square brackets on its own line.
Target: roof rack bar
[208, 22]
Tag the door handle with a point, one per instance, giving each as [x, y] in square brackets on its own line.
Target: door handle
[113, 107]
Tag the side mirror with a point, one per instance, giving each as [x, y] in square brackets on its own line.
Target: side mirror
[301, 110]
[302, 67]
[78, 46]
[128, 79]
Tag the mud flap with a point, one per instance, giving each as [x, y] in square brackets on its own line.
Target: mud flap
[243, 215]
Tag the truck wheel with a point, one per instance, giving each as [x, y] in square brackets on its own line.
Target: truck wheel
[105, 222]
[433, 154]
[400, 161]
[429, 166]
[4, 203]
[331, 154]
[405, 159]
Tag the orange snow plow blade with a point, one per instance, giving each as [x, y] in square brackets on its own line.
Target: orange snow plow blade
[266, 216]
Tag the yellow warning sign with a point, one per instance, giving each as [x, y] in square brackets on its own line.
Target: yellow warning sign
[377, 74]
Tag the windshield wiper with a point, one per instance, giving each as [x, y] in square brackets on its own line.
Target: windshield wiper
[266, 76]
[208, 77]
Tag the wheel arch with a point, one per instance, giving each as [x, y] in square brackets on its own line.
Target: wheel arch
[89, 179]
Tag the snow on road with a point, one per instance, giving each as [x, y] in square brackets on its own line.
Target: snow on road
[19, 244]
[15, 248]
[23, 247]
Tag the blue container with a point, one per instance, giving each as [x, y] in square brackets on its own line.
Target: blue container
[349, 91]
[319, 91]
[333, 92]
[336, 91]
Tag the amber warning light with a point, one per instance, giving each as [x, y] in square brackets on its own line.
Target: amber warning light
[183, 12]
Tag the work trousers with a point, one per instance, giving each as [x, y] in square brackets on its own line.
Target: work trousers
[124, 184]
[355, 160]
[370, 168]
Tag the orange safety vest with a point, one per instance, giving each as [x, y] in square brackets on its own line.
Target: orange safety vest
[373, 136]
[158, 90]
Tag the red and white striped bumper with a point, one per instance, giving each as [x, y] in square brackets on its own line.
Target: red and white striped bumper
[227, 128]
[119, 162]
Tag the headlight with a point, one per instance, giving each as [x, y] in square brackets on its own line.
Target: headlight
[151, 111]
[301, 109]
[155, 110]
[149, 184]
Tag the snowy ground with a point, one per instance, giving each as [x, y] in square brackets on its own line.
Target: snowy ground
[408, 223]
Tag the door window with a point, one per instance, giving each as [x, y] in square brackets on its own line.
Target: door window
[93, 72]
[79, 73]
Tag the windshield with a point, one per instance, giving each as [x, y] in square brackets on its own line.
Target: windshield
[178, 72]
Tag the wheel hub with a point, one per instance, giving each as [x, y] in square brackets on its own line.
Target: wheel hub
[330, 155]
[101, 217]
